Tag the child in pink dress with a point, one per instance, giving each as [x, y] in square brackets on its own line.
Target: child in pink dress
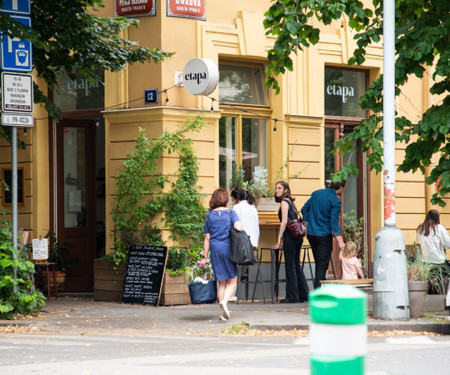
[350, 263]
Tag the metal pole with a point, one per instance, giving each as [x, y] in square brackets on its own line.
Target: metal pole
[389, 111]
[14, 196]
[390, 283]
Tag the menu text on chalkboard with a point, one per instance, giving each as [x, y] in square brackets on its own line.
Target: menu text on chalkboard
[145, 270]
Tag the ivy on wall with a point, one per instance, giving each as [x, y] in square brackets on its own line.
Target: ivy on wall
[140, 192]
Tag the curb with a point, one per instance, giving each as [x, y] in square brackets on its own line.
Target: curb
[440, 328]
[7, 323]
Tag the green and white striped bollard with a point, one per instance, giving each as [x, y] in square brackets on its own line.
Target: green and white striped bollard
[338, 330]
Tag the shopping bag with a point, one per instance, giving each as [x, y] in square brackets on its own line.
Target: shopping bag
[203, 292]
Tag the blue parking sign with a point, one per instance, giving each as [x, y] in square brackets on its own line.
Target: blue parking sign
[16, 6]
[17, 55]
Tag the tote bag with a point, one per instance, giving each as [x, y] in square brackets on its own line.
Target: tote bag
[242, 250]
[203, 293]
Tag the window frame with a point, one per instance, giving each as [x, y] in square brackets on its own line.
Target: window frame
[239, 111]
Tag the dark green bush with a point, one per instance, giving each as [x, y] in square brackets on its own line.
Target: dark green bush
[176, 261]
[18, 296]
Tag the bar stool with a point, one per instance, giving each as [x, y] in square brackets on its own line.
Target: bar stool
[247, 281]
[275, 263]
[306, 251]
[49, 267]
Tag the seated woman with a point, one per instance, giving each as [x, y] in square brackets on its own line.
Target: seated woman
[434, 239]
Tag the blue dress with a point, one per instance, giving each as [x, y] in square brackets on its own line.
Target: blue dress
[218, 225]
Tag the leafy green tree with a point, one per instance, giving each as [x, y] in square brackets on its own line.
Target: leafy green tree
[422, 29]
[69, 37]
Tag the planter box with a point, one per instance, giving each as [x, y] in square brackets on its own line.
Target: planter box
[174, 291]
[108, 282]
[267, 205]
[417, 297]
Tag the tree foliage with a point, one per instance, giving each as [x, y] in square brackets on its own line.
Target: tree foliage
[422, 40]
[69, 37]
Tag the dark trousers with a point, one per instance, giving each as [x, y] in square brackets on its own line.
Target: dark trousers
[296, 285]
[321, 247]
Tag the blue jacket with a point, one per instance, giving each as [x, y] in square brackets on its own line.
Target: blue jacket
[321, 212]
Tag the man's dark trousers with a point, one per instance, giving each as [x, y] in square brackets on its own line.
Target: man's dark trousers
[321, 247]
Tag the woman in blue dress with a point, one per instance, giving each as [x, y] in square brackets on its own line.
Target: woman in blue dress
[218, 224]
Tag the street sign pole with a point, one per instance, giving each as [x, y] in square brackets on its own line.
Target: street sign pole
[14, 195]
[17, 56]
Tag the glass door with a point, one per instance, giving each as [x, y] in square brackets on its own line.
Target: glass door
[355, 203]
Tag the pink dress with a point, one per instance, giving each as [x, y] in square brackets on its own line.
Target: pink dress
[349, 266]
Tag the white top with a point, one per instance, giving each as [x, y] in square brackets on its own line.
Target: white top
[433, 246]
[248, 216]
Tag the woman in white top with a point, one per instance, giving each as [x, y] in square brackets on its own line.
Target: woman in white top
[433, 238]
[248, 215]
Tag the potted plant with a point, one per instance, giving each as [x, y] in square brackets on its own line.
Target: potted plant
[353, 230]
[419, 273]
[58, 253]
[259, 187]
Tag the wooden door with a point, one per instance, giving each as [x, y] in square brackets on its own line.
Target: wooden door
[75, 207]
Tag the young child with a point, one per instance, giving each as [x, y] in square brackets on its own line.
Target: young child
[350, 263]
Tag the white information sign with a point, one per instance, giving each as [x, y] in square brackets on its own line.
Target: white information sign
[17, 92]
[40, 248]
[17, 119]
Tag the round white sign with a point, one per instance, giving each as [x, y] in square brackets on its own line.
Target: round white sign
[200, 76]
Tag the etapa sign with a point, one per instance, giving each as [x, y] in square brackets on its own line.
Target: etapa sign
[135, 8]
[200, 76]
[187, 9]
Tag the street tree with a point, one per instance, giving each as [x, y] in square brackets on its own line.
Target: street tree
[422, 40]
[69, 37]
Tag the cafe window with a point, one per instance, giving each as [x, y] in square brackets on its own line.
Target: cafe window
[343, 88]
[80, 93]
[241, 84]
[243, 125]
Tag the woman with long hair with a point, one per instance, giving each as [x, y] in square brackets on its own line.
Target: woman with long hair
[296, 285]
[218, 224]
[433, 238]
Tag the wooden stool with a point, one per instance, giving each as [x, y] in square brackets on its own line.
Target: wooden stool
[47, 266]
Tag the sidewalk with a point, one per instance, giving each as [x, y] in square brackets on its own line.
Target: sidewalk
[82, 315]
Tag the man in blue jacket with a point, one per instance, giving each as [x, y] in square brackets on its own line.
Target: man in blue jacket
[321, 213]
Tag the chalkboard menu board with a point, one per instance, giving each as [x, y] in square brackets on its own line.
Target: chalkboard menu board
[145, 271]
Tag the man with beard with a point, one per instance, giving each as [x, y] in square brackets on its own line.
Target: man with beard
[321, 213]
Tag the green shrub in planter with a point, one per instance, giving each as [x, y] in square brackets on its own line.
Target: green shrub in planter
[176, 261]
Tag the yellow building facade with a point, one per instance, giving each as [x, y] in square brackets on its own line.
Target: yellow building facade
[262, 129]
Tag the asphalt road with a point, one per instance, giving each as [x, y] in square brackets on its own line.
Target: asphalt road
[174, 354]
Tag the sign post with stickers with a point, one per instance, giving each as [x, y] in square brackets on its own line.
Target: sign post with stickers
[17, 91]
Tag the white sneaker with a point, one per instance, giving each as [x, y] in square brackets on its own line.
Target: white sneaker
[224, 309]
[233, 299]
[222, 318]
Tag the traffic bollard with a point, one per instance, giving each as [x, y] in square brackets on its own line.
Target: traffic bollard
[338, 330]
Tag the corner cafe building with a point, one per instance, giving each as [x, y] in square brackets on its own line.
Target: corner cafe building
[68, 166]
